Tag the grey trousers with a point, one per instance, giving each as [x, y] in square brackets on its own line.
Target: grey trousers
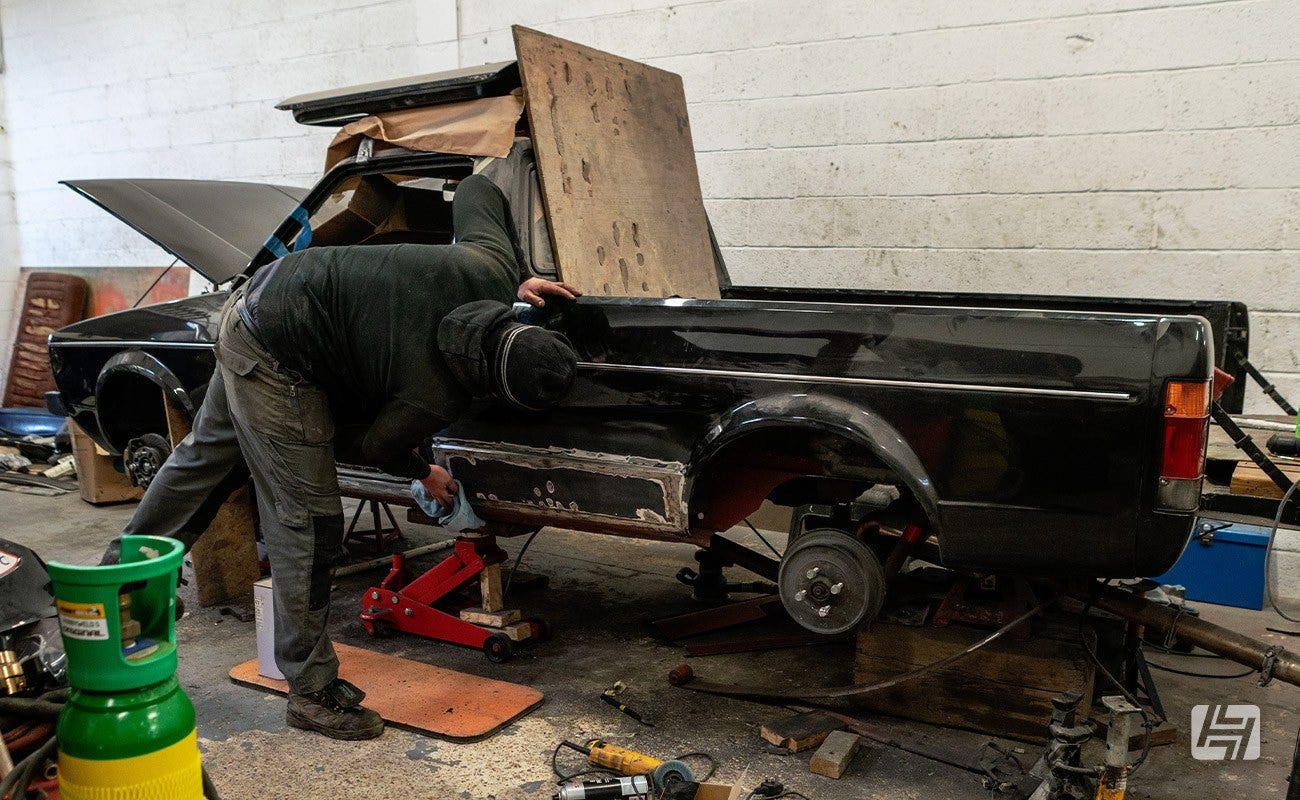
[199, 475]
[285, 430]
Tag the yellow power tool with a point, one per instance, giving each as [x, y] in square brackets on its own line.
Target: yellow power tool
[629, 762]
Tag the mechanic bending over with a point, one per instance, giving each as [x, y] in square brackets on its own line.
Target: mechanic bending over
[373, 337]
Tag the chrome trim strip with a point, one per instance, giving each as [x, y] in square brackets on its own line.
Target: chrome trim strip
[789, 377]
[132, 343]
[837, 305]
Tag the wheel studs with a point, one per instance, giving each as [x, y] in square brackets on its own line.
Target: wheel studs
[812, 573]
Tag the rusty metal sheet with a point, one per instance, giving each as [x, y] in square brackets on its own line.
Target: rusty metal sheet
[570, 487]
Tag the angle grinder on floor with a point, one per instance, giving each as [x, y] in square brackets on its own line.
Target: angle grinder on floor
[643, 775]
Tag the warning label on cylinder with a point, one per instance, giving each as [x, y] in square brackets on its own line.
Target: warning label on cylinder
[83, 620]
[8, 563]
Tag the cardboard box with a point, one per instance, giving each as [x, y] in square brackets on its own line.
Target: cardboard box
[718, 791]
[98, 480]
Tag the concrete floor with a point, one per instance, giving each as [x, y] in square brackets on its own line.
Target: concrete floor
[602, 591]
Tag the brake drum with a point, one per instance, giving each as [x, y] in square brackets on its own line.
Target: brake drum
[830, 582]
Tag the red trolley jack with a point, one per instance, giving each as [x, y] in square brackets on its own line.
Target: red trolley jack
[408, 605]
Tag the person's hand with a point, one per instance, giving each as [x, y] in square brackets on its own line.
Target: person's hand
[534, 291]
[440, 486]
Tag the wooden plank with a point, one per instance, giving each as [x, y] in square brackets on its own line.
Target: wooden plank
[1004, 689]
[618, 173]
[517, 631]
[800, 731]
[489, 584]
[833, 757]
[491, 619]
[1250, 479]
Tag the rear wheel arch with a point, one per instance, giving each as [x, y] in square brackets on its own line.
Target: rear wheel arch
[715, 481]
[129, 397]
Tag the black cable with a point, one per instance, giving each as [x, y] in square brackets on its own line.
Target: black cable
[511, 577]
[155, 282]
[786, 793]
[713, 764]
[760, 537]
[570, 776]
[593, 771]
[1164, 668]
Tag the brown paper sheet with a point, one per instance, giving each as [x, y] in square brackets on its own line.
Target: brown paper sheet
[481, 127]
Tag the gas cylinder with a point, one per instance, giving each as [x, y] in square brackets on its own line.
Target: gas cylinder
[127, 730]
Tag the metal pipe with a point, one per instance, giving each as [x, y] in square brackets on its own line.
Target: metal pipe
[1275, 661]
[383, 561]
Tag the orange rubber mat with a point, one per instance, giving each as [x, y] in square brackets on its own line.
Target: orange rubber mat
[441, 702]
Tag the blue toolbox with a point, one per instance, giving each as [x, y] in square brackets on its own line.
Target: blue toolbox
[1224, 562]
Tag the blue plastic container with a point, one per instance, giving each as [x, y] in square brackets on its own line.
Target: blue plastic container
[1223, 565]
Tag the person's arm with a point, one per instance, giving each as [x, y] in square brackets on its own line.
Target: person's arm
[390, 441]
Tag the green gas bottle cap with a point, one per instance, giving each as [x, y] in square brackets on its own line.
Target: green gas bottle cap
[119, 621]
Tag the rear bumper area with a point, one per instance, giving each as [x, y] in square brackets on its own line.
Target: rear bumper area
[1047, 544]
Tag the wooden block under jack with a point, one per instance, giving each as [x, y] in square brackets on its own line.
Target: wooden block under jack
[489, 584]
[491, 619]
[833, 757]
[800, 731]
[517, 631]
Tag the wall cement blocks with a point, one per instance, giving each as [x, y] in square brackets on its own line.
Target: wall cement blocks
[1141, 147]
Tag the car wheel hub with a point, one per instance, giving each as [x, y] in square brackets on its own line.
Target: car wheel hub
[143, 457]
[830, 582]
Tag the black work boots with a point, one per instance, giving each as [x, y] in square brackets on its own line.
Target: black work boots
[334, 711]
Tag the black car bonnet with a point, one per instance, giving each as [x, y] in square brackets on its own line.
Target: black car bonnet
[213, 226]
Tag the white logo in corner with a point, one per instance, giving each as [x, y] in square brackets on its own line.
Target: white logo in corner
[1225, 732]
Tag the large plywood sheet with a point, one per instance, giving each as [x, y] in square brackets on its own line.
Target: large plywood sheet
[618, 172]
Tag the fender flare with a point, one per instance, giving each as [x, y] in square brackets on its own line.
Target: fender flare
[141, 364]
[853, 421]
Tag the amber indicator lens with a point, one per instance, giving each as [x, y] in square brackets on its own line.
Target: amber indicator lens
[1187, 399]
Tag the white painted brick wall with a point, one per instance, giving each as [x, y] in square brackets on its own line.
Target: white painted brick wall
[1110, 147]
[9, 255]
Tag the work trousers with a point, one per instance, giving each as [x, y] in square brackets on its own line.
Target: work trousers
[285, 430]
[199, 475]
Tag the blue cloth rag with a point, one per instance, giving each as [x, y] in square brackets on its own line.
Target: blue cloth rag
[457, 519]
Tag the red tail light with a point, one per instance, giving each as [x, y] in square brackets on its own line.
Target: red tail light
[1187, 410]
